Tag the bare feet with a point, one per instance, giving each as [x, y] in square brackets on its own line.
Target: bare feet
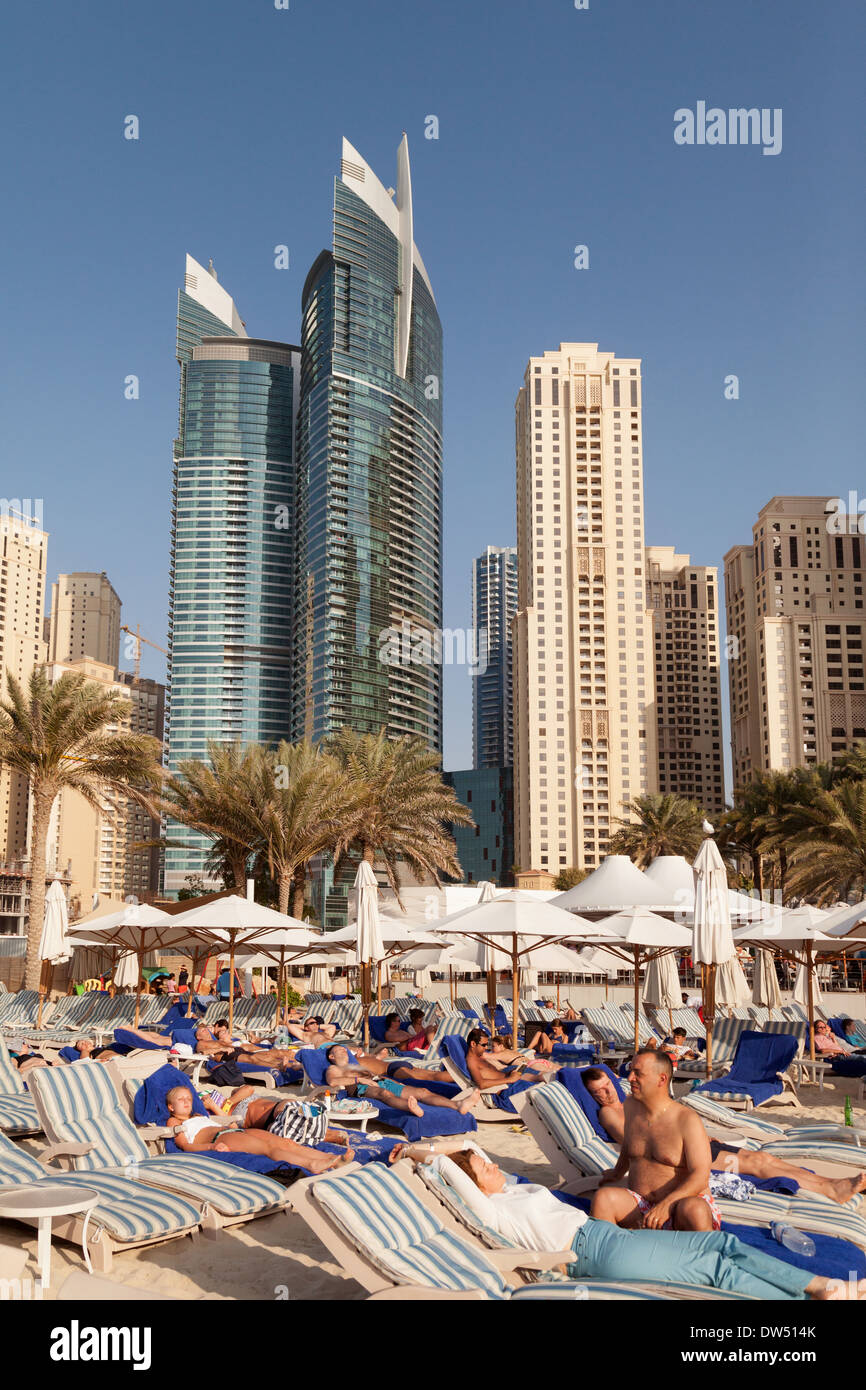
[468, 1101]
[834, 1290]
[415, 1107]
[843, 1189]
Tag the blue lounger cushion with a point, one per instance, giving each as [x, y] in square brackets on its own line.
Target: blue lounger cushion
[435, 1120]
[757, 1060]
[572, 1079]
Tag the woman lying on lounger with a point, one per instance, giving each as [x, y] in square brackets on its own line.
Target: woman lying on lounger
[531, 1217]
[283, 1130]
[501, 1054]
[359, 1081]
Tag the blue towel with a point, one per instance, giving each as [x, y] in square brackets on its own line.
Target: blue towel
[177, 1016]
[759, 1056]
[70, 1054]
[377, 1028]
[572, 1079]
[126, 1040]
[572, 1054]
[149, 1107]
[435, 1120]
[849, 1066]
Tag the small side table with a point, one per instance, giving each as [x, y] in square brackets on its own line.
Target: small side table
[43, 1203]
[363, 1113]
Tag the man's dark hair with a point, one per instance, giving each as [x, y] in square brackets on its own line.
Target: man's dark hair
[391, 1017]
[662, 1060]
[221, 1023]
[477, 1035]
[331, 1049]
[679, 1032]
[593, 1074]
[416, 1013]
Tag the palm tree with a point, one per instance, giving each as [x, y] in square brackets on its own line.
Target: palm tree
[301, 806]
[215, 800]
[850, 766]
[827, 857]
[59, 736]
[658, 823]
[401, 808]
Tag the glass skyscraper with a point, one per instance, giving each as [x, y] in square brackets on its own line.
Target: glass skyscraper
[368, 579]
[232, 540]
[494, 604]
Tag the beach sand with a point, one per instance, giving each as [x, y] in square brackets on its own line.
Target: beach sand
[278, 1257]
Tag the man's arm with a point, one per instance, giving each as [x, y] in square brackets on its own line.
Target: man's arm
[696, 1156]
[612, 1119]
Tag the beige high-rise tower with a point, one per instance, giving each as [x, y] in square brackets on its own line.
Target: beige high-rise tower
[23, 548]
[796, 630]
[585, 741]
[684, 600]
[85, 619]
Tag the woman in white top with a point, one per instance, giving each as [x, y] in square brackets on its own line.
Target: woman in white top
[529, 1216]
[204, 1133]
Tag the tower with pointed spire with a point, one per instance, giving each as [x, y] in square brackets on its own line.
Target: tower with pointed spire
[370, 480]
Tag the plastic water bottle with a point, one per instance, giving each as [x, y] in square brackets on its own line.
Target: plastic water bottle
[611, 1043]
[849, 1114]
[792, 1239]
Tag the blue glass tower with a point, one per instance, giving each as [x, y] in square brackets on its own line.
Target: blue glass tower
[494, 604]
[232, 540]
[370, 477]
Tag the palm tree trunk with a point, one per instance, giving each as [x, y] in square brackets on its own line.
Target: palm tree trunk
[368, 853]
[42, 803]
[284, 889]
[783, 873]
[758, 873]
[239, 872]
[299, 885]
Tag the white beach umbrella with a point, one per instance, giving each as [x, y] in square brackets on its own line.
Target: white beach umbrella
[798, 934]
[810, 998]
[765, 983]
[713, 939]
[528, 982]
[639, 934]
[126, 970]
[662, 988]
[53, 948]
[369, 946]
[732, 987]
[320, 980]
[138, 928]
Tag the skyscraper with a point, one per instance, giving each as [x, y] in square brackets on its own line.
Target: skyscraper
[796, 630]
[685, 616]
[85, 619]
[232, 539]
[370, 480]
[23, 548]
[584, 739]
[494, 604]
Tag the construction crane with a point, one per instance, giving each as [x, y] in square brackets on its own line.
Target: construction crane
[135, 632]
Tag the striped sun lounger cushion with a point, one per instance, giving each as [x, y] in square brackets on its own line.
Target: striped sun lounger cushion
[572, 1131]
[81, 1106]
[394, 1230]
[128, 1210]
[18, 1115]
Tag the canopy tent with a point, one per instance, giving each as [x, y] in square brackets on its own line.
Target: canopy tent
[614, 886]
[673, 878]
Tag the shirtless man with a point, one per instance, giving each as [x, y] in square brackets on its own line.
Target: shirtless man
[252, 1050]
[665, 1157]
[378, 1065]
[358, 1080]
[313, 1032]
[748, 1162]
[395, 1033]
[483, 1072]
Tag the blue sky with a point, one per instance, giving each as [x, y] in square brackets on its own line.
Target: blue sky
[556, 128]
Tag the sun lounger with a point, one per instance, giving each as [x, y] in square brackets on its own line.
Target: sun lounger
[21, 1010]
[381, 1227]
[566, 1138]
[758, 1073]
[85, 1113]
[128, 1215]
[17, 1109]
[495, 1103]
[726, 1036]
[816, 1146]
[437, 1120]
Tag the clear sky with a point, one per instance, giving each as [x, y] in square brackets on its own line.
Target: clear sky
[556, 128]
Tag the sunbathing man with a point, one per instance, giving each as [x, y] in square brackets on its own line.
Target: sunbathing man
[666, 1156]
[253, 1050]
[381, 1065]
[359, 1081]
[827, 1043]
[727, 1157]
[483, 1071]
[313, 1032]
[531, 1217]
[258, 1127]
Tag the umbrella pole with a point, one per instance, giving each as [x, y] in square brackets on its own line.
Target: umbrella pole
[232, 985]
[811, 1001]
[366, 994]
[41, 994]
[636, 998]
[515, 992]
[451, 983]
[709, 973]
[557, 991]
[140, 958]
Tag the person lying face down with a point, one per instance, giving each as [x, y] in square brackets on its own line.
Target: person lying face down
[283, 1130]
[726, 1158]
[529, 1216]
[357, 1079]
